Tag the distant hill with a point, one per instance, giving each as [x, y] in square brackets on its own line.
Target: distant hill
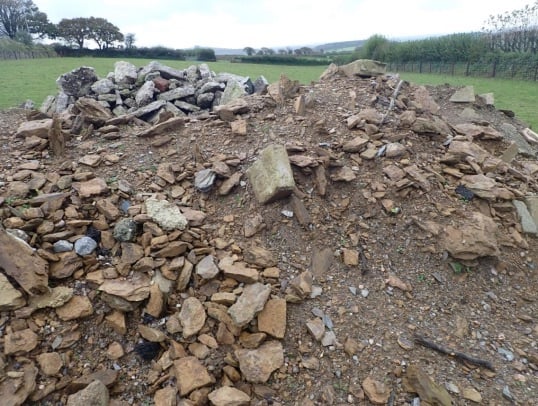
[342, 46]
[228, 51]
[339, 46]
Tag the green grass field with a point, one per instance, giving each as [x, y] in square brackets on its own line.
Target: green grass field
[36, 78]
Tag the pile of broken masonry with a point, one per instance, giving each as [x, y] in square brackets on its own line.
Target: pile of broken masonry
[85, 236]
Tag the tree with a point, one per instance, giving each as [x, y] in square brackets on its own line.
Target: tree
[103, 32]
[130, 40]
[249, 51]
[74, 30]
[22, 15]
[375, 47]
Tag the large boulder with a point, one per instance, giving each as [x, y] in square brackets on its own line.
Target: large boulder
[363, 68]
[78, 82]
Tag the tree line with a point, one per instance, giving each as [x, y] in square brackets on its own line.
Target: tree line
[22, 21]
[511, 35]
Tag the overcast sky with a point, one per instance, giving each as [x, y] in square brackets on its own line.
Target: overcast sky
[279, 23]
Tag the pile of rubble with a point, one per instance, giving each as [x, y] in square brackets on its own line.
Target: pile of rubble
[135, 228]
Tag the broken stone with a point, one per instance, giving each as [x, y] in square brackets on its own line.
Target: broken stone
[50, 363]
[20, 342]
[376, 391]
[19, 261]
[133, 290]
[272, 319]
[251, 301]
[76, 307]
[92, 187]
[271, 175]
[464, 95]
[95, 394]
[206, 268]
[259, 256]
[166, 214]
[475, 238]
[421, 383]
[191, 375]
[192, 316]
[228, 396]
[257, 365]
[527, 221]
[10, 298]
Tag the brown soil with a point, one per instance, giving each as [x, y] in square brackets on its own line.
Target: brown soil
[487, 305]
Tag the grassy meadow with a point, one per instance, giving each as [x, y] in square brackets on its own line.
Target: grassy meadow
[36, 78]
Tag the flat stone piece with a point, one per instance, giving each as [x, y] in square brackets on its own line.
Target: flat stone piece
[77, 307]
[192, 316]
[426, 388]
[272, 319]
[10, 298]
[527, 222]
[191, 375]
[271, 175]
[251, 301]
[19, 261]
[228, 396]
[464, 95]
[20, 342]
[258, 364]
[133, 290]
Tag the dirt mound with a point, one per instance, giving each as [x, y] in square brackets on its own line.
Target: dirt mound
[138, 255]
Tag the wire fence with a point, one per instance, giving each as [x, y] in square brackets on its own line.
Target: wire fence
[494, 69]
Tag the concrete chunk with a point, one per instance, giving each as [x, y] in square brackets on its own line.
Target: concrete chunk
[271, 176]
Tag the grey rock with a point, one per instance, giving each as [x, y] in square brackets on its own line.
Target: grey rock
[260, 85]
[150, 108]
[177, 93]
[78, 82]
[204, 180]
[205, 100]
[125, 230]
[125, 73]
[205, 72]
[511, 133]
[62, 246]
[188, 107]
[508, 355]
[464, 95]
[85, 246]
[527, 222]
[165, 72]
[251, 302]
[166, 214]
[103, 86]
[234, 90]
[206, 268]
[212, 87]
[144, 95]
